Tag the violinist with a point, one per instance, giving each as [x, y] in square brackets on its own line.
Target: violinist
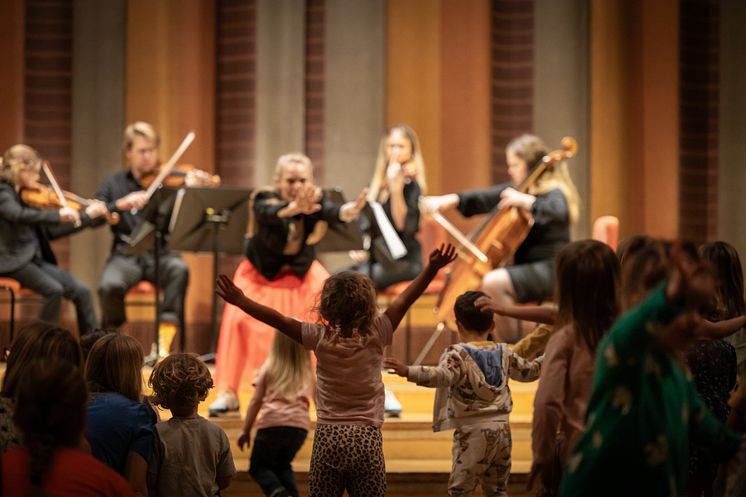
[123, 192]
[25, 253]
[552, 202]
[398, 181]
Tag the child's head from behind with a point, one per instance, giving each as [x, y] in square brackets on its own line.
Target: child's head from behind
[180, 382]
[588, 289]
[115, 365]
[348, 302]
[644, 265]
[471, 321]
[726, 265]
[38, 340]
[288, 367]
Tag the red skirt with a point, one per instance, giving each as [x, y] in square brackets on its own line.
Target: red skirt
[244, 342]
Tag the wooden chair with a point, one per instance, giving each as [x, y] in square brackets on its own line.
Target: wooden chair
[15, 295]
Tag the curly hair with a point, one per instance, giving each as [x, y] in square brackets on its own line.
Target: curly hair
[348, 303]
[180, 380]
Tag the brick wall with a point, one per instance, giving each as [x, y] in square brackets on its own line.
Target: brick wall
[314, 86]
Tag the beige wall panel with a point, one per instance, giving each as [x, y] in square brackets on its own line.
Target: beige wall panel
[354, 91]
[413, 77]
[279, 83]
[97, 120]
[170, 82]
[11, 60]
[732, 171]
[465, 95]
[660, 117]
[561, 103]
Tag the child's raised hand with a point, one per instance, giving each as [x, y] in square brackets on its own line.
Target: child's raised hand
[396, 366]
[228, 291]
[486, 304]
[442, 256]
[244, 440]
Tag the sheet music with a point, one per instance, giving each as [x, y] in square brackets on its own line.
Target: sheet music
[393, 242]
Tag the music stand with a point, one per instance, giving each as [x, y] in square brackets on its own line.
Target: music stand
[210, 220]
[340, 237]
[149, 235]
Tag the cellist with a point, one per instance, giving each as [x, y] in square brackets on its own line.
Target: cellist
[552, 202]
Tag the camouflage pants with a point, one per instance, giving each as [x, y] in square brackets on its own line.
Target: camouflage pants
[481, 454]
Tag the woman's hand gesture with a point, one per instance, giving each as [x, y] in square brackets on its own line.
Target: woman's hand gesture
[442, 256]
[229, 292]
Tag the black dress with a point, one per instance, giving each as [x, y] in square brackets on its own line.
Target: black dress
[532, 272]
[386, 270]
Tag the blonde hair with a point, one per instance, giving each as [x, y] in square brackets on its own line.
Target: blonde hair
[18, 157]
[115, 365]
[379, 175]
[292, 158]
[180, 380]
[288, 367]
[532, 149]
[140, 128]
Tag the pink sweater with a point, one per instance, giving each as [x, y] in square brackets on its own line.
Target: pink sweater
[562, 397]
[277, 410]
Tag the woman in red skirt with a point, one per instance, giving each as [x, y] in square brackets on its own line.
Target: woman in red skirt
[280, 269]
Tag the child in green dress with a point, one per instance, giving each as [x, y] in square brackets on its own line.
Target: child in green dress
[644, 410]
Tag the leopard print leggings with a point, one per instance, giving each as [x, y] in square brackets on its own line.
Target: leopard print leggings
[347, 457]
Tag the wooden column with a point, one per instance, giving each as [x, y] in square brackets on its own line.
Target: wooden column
[12, 32]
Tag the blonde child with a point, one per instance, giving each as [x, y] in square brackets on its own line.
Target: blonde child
[348, 343]
[280, 269]
[283, 389]
[474, 398]
[587, 288]
[193, 456]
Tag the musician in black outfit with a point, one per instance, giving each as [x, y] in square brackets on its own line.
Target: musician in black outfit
[25, 252]
[553, 204]
[398, 182]
[123, 193]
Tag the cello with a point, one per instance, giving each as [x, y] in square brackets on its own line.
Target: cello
[493, 245]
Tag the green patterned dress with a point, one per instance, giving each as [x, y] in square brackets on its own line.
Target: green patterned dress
[643, 413]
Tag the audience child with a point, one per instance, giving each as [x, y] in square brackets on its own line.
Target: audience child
[36, 340]
[50, 410]
[192, 456]
[348, 343]
[120, 425]
[282, 393]
[588, 302]
[473, 397]
[644, 411]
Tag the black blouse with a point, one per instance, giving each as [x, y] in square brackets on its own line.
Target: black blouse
[551, 229]
[411, 221]
[265, 248]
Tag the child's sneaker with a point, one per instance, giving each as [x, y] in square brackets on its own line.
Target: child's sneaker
[226, 402]
[391, 405]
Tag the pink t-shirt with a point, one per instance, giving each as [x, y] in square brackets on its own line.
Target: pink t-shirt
[349, 388]
[280, 411]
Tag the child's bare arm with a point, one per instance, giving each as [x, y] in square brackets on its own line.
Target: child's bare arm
[251, 413]
[721, 329]
[534, 313]
[438, 259]
[233, 295]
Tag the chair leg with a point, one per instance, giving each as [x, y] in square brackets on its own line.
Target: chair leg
[12, 324]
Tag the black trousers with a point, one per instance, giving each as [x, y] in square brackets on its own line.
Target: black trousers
[123, 272]
[271, 458]
[52, 283]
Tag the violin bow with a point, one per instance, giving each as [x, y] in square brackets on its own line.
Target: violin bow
[166, 170]
[53, 182]
[455, 233]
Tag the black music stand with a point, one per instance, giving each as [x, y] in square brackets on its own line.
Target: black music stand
[149, 235]
[210, 220]
[340, 237]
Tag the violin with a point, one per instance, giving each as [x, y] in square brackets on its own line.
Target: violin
[44, 197]
[495, 242]
[178, 175]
